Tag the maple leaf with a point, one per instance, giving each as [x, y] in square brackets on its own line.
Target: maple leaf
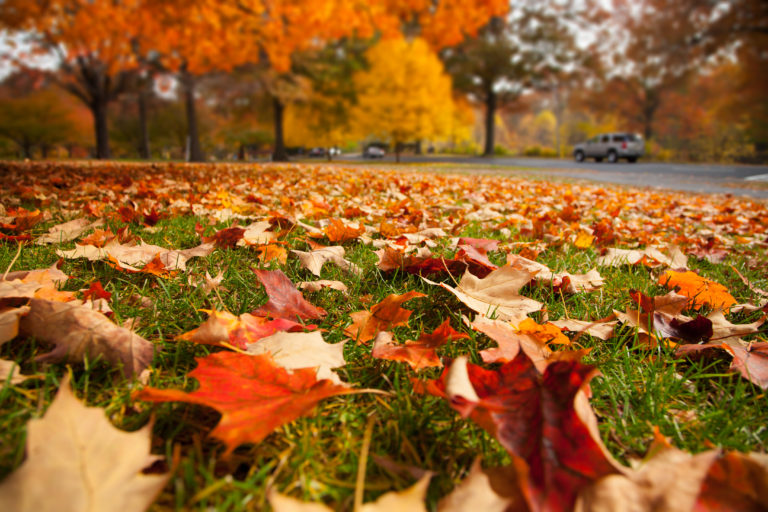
[314, 260]
[302, 350]
[78, 331]
[272, 252]
[489, 491]
[254, 395]
[237, 331]
[735, 481]
[285, 301]
[407, 500]
[699, 290]
[9, 372]
[126, 257]
[383, 316]
[77, 460]
[338, 232]
[560, 281]
[602, 329]
[67, 231]
[315, 286]
[96, 291]
[498, 293]
[419, 354]
[650, 257]
[534, 417]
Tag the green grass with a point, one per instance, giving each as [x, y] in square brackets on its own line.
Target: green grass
[696, 403]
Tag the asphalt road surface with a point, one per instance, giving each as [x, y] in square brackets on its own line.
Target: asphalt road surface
[738, 180]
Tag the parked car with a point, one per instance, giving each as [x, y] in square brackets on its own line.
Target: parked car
[611, 146]
[315, 152]
[374, 152]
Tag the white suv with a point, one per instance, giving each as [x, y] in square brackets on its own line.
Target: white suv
[611, 146]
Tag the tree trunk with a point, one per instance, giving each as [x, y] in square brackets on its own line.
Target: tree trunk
[649, 112]
[194, 149]
[100, 126]
[144, 151]
[241, 152]
[490, 118]
[398, 147]
[279, 154]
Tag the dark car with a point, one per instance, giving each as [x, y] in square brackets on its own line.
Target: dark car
[611, 146]
[316, 152]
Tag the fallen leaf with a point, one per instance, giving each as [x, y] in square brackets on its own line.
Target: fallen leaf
[285, 301]
[510, 341]
[338, 232]
[254, 395]
[237, 331]
[650, 257]
[67, 231]
[382, 317]
[477, 493]
[408, 500]
[314, 260]
[272, 252]
[302, 350]
[751, 361]
[497, 294]
[735, 481]
[76, 460]
[316, 286]
[602, 329]
[419, 354]
[534, 417]
[128, 257]
[699, 290]
[9, 373]
[78, 331]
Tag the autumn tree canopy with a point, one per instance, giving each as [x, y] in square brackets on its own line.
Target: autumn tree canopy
[405, 95]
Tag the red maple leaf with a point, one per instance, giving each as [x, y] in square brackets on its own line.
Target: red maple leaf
[421, 353]
[532, 415]
[254, 395]
[285, 301]
[96, 291]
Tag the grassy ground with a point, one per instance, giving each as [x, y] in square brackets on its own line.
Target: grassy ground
[695, 403]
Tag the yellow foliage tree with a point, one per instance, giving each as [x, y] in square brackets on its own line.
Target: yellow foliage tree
[405, 95]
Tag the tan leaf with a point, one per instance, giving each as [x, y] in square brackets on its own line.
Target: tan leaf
[510, 341]
[67, 231]
[408, 500]
[9, 322]
[314, 286]
[723, 330]
[602, 329]
[78, 331]
[651, 257]
[314, 260]
[497, 293]
[668, 480]
[76, 460]
[302, 350]
[10, 370]
[476, 492]
[257, 234]
[570, 283]
[127, 257]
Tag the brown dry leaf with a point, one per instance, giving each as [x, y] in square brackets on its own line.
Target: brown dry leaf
[496, 294]
[127, 257]
[49, 277]
[78, 331]
[302, 350]
[408, 500]
[669, 480]
[315, 286]
[256, 233]
[383, 316]
[723, 330]
[314, 260]
[650, 257]
[9, 322]
[76, 460]
[9, 373]
[565, 281]
[602, 329]
[750, 360]
[476, 492]
[67, 231]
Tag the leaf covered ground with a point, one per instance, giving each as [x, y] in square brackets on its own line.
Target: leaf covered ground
[335, 334]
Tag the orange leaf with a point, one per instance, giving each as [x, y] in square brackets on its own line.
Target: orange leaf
[383, 316]
[254, 395]
[699, 290]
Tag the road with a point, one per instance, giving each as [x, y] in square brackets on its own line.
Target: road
[739, 180]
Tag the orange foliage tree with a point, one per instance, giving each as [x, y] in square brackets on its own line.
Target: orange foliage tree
[95, 43]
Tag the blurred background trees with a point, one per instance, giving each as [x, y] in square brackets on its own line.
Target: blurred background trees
[249, 79]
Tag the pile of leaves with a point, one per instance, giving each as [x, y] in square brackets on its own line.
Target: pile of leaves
[317, 336]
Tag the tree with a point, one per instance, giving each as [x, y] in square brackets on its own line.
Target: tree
[533, 46]
[94, 43]
[37, 120]
[405, 95]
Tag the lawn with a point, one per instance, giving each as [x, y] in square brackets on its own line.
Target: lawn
[195, 271]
